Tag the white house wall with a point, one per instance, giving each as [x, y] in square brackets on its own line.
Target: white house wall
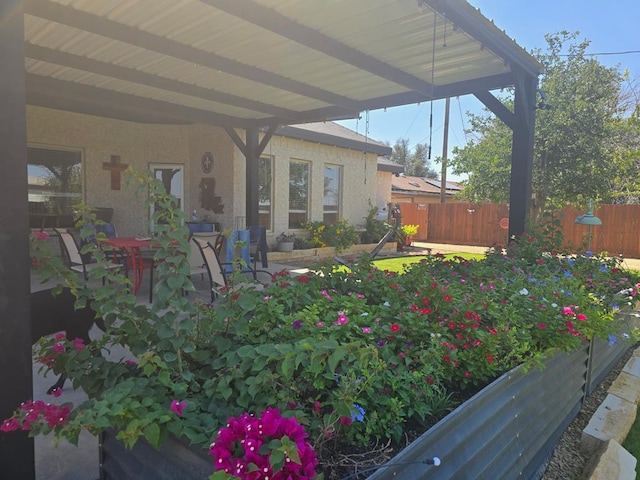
[138, 145]
[358, 179]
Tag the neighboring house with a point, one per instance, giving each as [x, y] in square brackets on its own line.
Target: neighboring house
[310, 172]
[406, 189]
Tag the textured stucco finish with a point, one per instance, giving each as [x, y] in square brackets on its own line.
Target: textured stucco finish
[139, 145]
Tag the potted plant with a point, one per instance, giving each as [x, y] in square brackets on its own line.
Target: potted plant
[406, 233]
[285, 242]
[353, 356]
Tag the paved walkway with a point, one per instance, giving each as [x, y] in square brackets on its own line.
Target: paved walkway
[68, 462]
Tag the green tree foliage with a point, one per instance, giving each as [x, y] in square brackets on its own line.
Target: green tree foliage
[416, 163]
[625, 182]
[573, 154]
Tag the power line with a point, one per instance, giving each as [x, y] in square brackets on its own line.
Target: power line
[626, 52]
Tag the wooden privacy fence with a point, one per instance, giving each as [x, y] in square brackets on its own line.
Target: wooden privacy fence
[487, 224]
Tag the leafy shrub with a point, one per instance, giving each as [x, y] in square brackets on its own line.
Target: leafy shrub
[355, 356]
[340, 235]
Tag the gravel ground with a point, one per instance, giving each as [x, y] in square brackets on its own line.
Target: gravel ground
[568, 461]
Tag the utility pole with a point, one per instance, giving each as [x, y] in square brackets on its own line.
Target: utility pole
[445, 147]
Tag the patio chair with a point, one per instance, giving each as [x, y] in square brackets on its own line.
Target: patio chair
[218, 271]
[238, 247]
[212, 264]
[73, 258]
[258, 246]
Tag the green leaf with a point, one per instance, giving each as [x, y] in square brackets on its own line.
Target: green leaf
[152, 434]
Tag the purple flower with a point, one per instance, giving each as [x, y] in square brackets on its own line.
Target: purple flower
[297, 324]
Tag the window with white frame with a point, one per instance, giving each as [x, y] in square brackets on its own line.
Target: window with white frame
[332, 187]
[55, 180]
[298, 193]
[265, 181]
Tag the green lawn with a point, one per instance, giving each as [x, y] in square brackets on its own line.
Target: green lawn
[632, 442]
[396, 264]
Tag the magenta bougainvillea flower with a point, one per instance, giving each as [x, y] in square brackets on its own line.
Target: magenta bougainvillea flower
[239, 449]
[177, 407]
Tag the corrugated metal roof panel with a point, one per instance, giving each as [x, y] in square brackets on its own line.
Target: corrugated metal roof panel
[313, 60]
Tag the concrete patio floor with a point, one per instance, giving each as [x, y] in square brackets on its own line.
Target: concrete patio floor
[68, 462]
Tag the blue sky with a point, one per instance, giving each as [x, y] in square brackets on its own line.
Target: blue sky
[610, 26]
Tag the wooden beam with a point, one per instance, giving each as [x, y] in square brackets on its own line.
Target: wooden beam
[98, 100]
[272, 21]
[498, 108]
[17, 458]
[522, 155]
[133, 36]
[252, 178]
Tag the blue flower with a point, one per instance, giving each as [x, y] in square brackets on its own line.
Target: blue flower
[567, 274]
[588, 253]
[603, 268]
[571, 262]
[357, 413]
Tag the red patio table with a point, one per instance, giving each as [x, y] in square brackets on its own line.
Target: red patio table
[132, 246]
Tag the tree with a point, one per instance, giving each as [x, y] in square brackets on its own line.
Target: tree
[573, 158]
[416, 163]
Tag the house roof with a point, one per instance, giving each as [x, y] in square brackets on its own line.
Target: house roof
[331, 133]
[423, 186]
[253, 63]
[386, 165]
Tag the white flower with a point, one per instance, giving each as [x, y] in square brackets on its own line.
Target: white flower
[524, 291]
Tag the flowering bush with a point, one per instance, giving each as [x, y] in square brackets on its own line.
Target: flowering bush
[340, 235]
[408, 230]
[263, 446]
[354, 356]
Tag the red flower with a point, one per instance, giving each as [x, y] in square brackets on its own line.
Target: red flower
[448, 298]
[302, 279]
[429, 380]
[490, 359]
[395, 327]
[446, 358]
[467, 374]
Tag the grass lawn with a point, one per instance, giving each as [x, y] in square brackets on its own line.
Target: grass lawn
[632, 442]
[396, 264]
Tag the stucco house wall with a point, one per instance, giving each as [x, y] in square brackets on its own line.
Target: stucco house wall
[139, 145]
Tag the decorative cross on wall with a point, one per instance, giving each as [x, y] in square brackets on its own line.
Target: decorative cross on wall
[116, 168]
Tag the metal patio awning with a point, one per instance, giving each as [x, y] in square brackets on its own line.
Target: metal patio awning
[238, 64]
[247, 63]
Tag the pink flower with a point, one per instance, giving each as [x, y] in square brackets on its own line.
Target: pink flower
[10, 425]
[177, 407]
[395, 327]
[346, 421]
[58, 348]
[581, 316]
[41, 235]
[568, 311]
[56, 392]
[78, 343]
[366, 330]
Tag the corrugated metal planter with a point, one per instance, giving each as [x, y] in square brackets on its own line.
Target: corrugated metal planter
[174, 460]
[507, 430]
[510, 428]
